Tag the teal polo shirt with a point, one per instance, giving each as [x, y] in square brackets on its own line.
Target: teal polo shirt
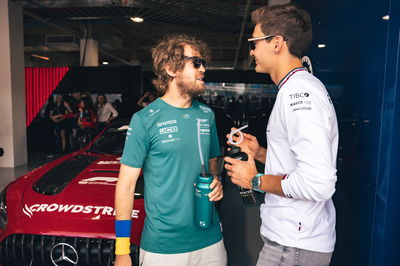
[162, 140]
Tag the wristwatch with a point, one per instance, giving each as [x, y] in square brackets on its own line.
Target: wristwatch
[256, 182]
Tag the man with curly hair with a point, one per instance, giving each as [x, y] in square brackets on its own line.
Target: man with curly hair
[161, 141]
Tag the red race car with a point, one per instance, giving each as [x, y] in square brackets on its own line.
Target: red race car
[62, 213]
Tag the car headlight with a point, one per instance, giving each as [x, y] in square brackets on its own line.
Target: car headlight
[3, 209]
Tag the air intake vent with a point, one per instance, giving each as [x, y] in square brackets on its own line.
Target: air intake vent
[56, 179]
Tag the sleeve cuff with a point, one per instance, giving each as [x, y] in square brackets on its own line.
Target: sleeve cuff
[285, 183]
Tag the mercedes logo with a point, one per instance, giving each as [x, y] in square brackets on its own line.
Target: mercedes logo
[63, 254]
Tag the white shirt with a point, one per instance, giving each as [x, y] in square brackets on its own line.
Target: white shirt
[104, 112]
[302, 137]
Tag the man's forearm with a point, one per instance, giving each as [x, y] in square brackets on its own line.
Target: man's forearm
[272, 184]
[124, 199]
[124, 192]
[261, 155]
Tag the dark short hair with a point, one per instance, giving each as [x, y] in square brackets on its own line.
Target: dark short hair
[290, 21]
[170, 51]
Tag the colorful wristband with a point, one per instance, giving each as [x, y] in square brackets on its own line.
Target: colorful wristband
[122, 246]
[122, 240]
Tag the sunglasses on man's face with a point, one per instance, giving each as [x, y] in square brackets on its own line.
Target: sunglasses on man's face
[197, 61]
[256, 39]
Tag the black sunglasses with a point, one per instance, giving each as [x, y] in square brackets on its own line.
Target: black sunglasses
[197, 61]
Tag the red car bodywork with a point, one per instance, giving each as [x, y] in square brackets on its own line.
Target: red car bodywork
[82, 209]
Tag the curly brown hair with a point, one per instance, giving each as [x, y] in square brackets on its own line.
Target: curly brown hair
[170, 51]
[290, 21]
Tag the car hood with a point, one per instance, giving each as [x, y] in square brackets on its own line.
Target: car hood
[73, 193]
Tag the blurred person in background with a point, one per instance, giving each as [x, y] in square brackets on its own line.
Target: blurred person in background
[146, 99]
[57, 114]
[86, 117]
[105, 111]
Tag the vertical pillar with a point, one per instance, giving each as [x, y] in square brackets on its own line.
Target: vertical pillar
[12, 92]
[89, 52]
[386, 231]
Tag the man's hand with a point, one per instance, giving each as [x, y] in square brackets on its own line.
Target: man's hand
[217, 191]
[241, 172]
[123, 260]
[249, 144]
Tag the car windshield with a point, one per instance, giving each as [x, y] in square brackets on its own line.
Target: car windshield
[111, 141]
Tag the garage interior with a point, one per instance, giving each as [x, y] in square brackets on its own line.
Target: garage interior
[354, 52]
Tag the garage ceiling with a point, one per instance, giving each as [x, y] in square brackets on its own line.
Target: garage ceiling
[54, 29]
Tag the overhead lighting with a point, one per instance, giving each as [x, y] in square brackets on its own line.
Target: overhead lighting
[41, 57]
[136, 19]
[386, 17]
[321, 45]
[105, 63]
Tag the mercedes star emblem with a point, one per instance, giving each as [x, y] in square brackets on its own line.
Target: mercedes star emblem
[63, 254]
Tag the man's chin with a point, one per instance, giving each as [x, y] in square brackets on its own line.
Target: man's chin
[258, 69]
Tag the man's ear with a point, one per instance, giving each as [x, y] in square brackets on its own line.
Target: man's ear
[169, 71]
[278, 43]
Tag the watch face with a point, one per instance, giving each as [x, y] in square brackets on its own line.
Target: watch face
[255, 183]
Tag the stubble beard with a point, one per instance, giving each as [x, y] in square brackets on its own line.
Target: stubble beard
[189, 88]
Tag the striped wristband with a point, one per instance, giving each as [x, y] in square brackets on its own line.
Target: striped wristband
[122, 237]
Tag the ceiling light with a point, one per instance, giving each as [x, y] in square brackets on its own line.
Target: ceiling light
[321, 45]
[386, 17]
[41, 57]
[136, 19]
[105, 63]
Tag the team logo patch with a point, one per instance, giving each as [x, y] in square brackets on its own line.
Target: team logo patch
[205, 109]
[152, 112]
[204, 126]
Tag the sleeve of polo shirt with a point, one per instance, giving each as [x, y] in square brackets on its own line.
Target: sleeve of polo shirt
[215, 149]
[309, 137]
[136, 143]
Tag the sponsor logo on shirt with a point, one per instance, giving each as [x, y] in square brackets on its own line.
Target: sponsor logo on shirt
[166, 130]
[152, 112]
[169, 122]
[186, 116]
[204, 127]
[71, 208]
[299, 95]
[205, 109]
[301, 109]
[170, 139]
[300, 102]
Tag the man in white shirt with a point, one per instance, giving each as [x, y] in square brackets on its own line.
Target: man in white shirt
[298, 216]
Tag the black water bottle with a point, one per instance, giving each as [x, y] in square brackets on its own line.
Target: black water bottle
[248, 196]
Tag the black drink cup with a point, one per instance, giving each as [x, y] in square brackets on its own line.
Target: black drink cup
[248, 196]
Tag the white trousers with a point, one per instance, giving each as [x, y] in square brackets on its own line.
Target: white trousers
[214, 255]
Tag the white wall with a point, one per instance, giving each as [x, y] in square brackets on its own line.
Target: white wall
[12, 86]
